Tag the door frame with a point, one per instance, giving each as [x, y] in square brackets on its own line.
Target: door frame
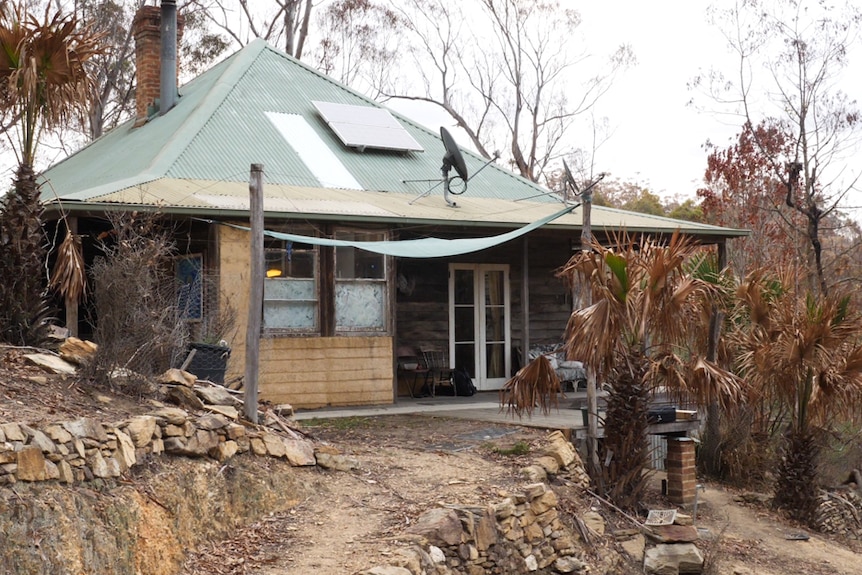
[480, 378]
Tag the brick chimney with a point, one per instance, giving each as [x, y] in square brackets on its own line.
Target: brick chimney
[147, 30]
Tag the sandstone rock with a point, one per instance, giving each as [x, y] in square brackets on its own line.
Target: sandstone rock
[174, 431]
[534, 473]
[486, 533]
[201, 442]
[664, 559]
[224, 450]
[86, 428]
[386, 570]
[140, 429]
[64, 471]
[551, 465]
[216, 395]
[235, 431]
[542, 504]
[438, 526]
[2, 436]
[172, 415]
[569, 565]
[99, 466]
[535, 490]
[78, 351]
[13, 432]
[51, 471]
[635, 547]
[226, 410]
[299, 452]
[560, 449]
[177, 377]
[258, 447]
[594, 521]
[7, 454]
[336, 462]
[274, 444]
[673, 533]
[436, 554]
[51, 363]
[79, 448]
[211, 422]
[505, 508]
[31, 465]
[125, 450]
[531, 563]
[40, 440]
[683, 519]
[57, 433]
[158, 446]
[183, 396]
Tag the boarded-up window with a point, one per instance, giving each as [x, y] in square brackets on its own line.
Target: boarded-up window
[290, 290]
[360, 285]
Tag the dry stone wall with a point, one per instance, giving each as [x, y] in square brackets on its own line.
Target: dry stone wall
[84, 449]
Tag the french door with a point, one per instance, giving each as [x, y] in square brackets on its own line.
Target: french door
[479, 322]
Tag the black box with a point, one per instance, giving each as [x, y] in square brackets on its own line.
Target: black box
[662, 415]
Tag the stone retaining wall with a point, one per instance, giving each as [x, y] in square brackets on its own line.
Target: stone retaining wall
[84, 449]
[521, 534]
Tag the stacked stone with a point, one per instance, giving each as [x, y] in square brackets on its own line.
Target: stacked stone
[840, 513]
[85, 449]
[521, 534]
[559, 458]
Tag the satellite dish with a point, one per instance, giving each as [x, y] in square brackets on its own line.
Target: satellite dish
[452, 159]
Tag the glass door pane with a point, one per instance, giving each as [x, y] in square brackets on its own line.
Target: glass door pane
[495, 324]
[464, 319]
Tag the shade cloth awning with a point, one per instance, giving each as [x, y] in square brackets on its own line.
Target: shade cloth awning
[418, 248]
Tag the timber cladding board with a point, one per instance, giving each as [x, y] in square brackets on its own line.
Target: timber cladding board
[304, 371]
[310, 372]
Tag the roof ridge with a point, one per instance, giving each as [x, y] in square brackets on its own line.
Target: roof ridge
[197, 118]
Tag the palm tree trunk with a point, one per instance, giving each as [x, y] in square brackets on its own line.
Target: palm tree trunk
[22, 253]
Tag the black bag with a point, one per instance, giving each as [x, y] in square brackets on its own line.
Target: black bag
[462, 382]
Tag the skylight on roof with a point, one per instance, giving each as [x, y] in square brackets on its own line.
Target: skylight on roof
[313, 151]
[367, 127]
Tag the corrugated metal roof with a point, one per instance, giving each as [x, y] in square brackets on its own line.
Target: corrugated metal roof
[196, 159]
[211, 198]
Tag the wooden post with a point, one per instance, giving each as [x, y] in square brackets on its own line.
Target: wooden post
[72, 305]
[255, 296]
[587, 298]
[525, 304]
[712, 439]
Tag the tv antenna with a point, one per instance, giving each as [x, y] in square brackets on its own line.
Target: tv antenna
[451, 159]
[586, 194]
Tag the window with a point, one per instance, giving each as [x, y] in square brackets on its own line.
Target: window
[290, 290]
[360, 285]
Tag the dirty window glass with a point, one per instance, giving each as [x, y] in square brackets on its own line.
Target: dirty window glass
[360, 284]
[290, 290]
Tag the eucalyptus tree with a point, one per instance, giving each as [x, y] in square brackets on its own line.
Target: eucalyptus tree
[792, 56]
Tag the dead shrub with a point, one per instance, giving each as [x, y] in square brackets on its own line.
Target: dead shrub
[138, 324]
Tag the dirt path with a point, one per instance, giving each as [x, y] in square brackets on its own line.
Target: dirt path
[408, 464]
[752, 538]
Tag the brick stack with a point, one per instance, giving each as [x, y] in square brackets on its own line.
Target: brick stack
[148, 46]
[681, 477]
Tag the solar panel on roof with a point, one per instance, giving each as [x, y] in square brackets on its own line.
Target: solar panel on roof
[367, 127]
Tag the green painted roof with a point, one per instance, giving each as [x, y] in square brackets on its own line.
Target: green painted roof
[197, 157]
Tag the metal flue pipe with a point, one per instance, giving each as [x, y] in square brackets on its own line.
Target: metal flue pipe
[168, 58]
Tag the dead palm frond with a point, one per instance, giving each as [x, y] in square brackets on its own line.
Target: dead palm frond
[69, 278]
[535, 385]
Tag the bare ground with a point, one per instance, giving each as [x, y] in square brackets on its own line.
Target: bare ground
[406, 465]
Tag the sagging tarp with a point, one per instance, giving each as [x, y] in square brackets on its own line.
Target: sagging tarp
[418, 248]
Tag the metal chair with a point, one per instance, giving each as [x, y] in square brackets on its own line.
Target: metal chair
[439, 371]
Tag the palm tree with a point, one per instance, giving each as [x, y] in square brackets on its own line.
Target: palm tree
[646, 328]
[44, 82]
[803, 354]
